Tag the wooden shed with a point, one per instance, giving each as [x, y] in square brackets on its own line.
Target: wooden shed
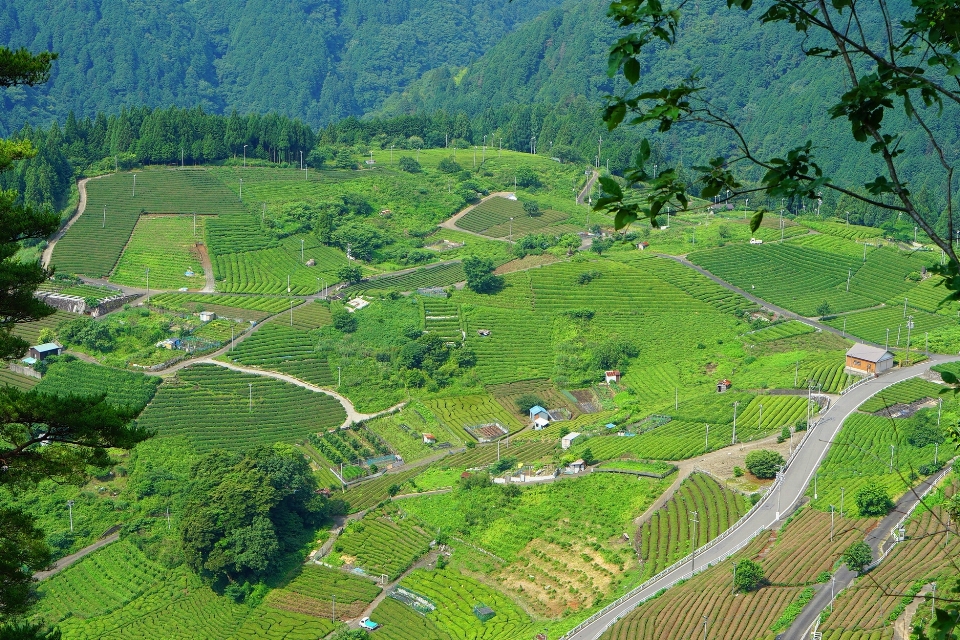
[864, 359]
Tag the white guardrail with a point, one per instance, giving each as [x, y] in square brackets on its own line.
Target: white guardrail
[689, 557]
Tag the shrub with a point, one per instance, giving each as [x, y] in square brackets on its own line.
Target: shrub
[528, 400]
[872, 500]
[588, 276]
[800, 425]
[929, 468]
[480, 277]
[764, 463]
[350, 274]
[824, 309]
[737, 472]
[449, 165]
[410, 165]
[922, 430]
[857, 556]
[749, 576]
[344, 321]
[526, 177]
[531, 208]
[784, 434]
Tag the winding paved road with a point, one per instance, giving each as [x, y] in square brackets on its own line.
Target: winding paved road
[779, 501]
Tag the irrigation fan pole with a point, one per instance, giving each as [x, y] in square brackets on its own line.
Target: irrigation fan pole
[70, 507]
[250, 384]
[706, 439]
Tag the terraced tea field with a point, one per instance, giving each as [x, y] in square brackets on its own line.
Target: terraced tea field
[904, 393]
[30, 331]
[698, 286]
[442, 275]
[123, 388]
[167, 246]
[873, 325]
[862, 453]
[669, 534]
[678, 613]
[442, 318]
[109, 578]
[519, 346]
[383, 543]
[492, 218]
[311, 592]
[279, 347]
[92, 246]
[467, 411]
[266, 271]
[401, 622]
[789, 329]
[10, 379]
[366, 494]
[814, 276]
[456, 594]
[187, 302]
[210, 405]
[828, 375]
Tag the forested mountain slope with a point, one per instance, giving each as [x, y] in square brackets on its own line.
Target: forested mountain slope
[757, 74]
[316, 60]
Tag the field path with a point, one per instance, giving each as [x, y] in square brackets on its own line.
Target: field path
[760, 301]
[65, 562]
[81, 207]
[585, 192]
[451, 222]
[767, 514]
[901, 626]
[352, 414]
[424, 561]
[211, 285]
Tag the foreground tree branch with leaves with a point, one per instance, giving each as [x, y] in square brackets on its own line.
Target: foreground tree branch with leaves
[41, 436]
[908, 64]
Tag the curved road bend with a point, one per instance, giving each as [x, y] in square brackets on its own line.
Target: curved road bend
[763, 303]
[794, 484]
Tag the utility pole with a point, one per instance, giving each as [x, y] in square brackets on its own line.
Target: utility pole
[693, 555]
[841, 501]
[760, 419]
[909, 327]
[904, 307]
[244, 156]
[886, 344]
[148, 285]
[891, 458]
[849, 273]
[301, 249]
[706, 620]
[831, 523]
[70, 507]
[241, 189]
[796, 374]
[134, 185]
[104, 225]
[735, 405]
[250, 384]
[815, 475]
[338, 377]
[706, 440]
[291, 312]
[335, 605]
[733, 591]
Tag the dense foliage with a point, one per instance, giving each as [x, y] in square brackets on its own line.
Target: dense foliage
[749, 576]
[857, 556]
[245, 511]
[873, 500]
[763, 463]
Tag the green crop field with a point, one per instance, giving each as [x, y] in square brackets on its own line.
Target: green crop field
[903, 393]
[123, 388]
[30, 331]
[168, 247]
[187, 302]
[93, 245]
[383, 542]
[268, 270]
[401, 622]
[469, 411]
[492, 218]
[669, 534]
[364, 495]
[456, 594]
[210, 406]
[280, 347]
[813, 276]
[873, 325]
[402, 431]
[312, 591]
[788, 329]
[688, 280]
[106, 580]
[678, 439]
[10, 379]
[862, 453]
[827, 374]
[519, 346]
[837, 228]
[438, 276]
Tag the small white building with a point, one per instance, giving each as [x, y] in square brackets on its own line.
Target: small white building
[567, 441]
[429, 438]
[612, 376]
[756, 241]
[577, 466]
[207, 316]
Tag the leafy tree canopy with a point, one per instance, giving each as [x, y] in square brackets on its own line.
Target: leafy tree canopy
[857, 556]
[764, 463]
[872, 500]
[749, 576]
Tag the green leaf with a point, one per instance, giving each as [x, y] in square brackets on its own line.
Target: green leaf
[623, 218]
[611, 187]
[631, 70]
[755, 221]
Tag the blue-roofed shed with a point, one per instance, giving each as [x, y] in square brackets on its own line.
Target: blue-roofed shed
[41, 351]
[536, 410]
[610, 425]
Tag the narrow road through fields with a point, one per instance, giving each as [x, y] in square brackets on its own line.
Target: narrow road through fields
[585, 192]
[777, 501]
[760, 301]
[66, 561]
[81, 207]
